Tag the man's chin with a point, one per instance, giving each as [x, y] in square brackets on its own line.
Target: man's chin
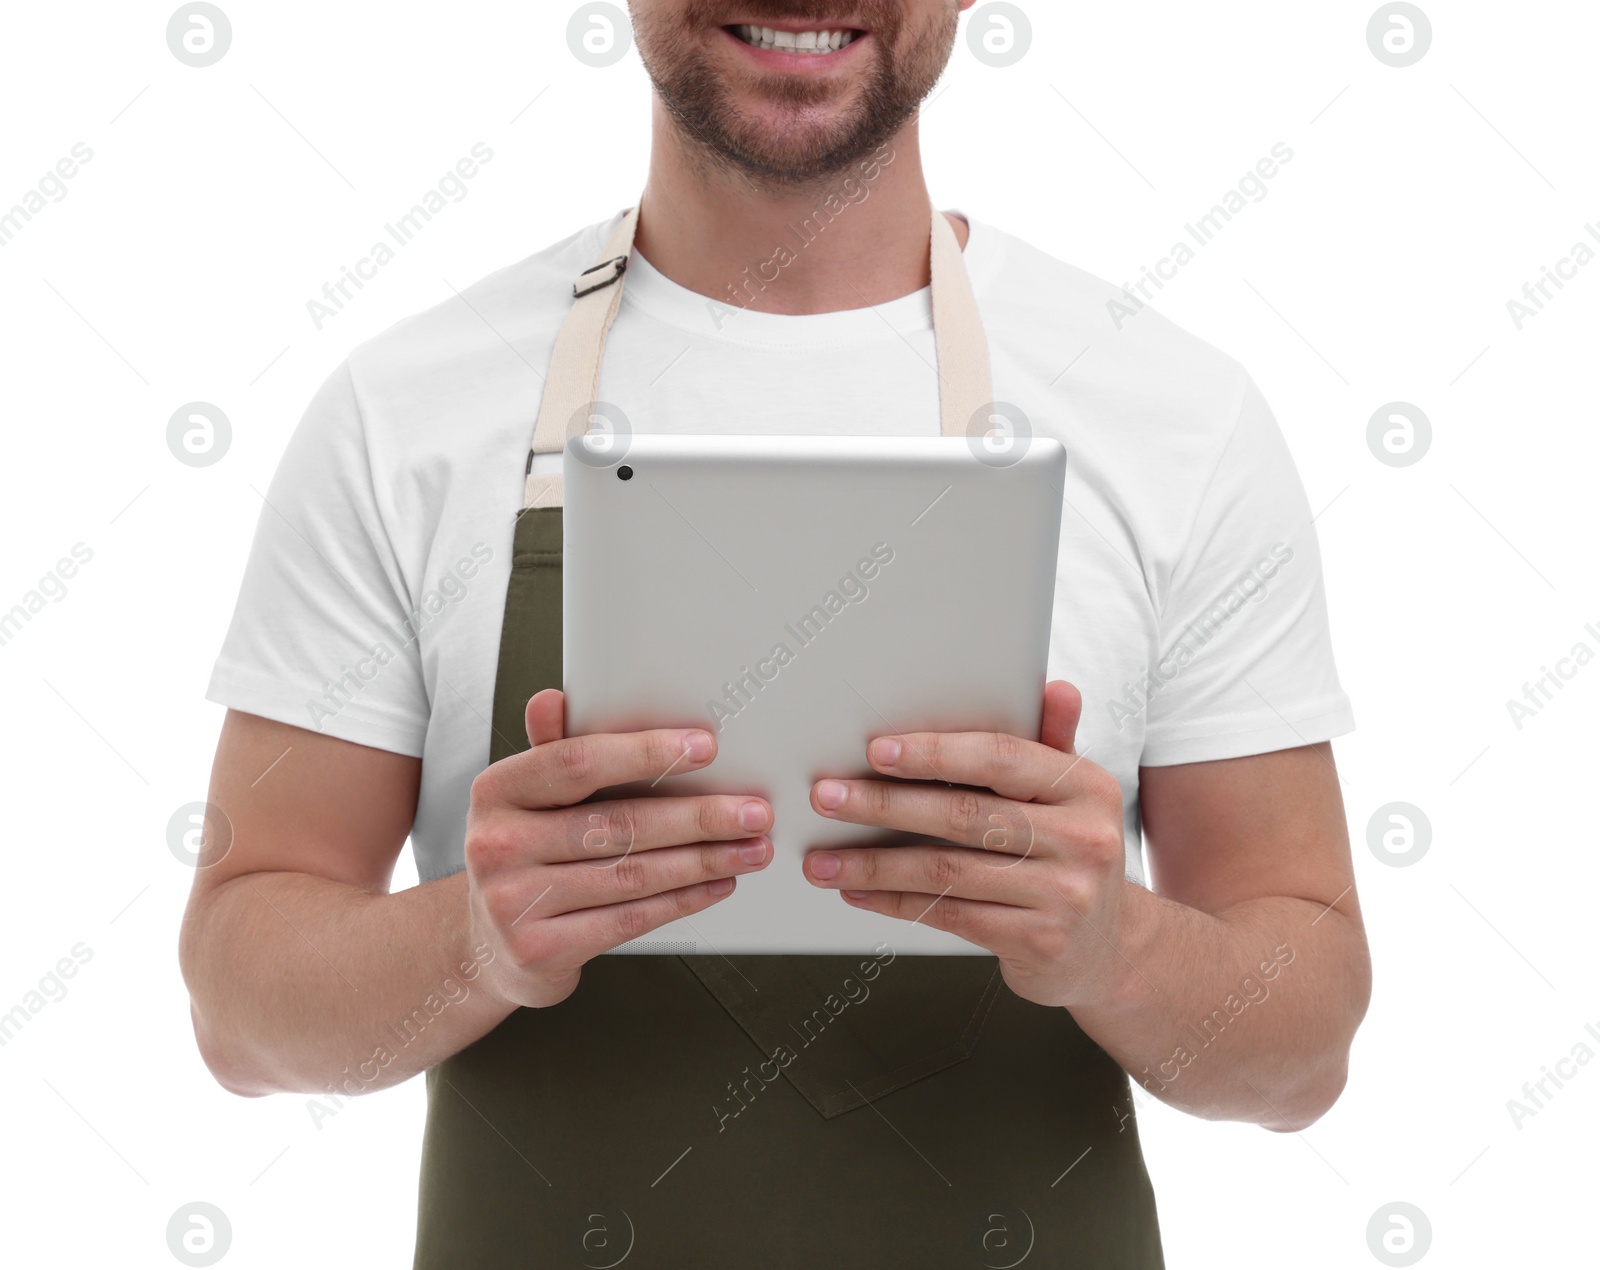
[783, 141]
[781, 126]
[796, 161]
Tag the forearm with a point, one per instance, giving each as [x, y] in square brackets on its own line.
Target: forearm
[299, 983]
[1247, 1014]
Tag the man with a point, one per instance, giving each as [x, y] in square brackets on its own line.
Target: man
[392, 635]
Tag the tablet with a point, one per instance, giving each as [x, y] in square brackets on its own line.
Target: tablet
[798, 596]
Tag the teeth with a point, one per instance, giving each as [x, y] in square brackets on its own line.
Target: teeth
[813, 42]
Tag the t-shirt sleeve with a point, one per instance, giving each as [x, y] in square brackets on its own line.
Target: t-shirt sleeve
[1246, 659]
[320, 636]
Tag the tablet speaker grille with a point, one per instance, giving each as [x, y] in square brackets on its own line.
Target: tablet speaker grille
[658, 946]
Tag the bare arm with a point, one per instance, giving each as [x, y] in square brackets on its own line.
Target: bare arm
[304, 972]
[1252, 965]
[297, 958]
[1233, 993]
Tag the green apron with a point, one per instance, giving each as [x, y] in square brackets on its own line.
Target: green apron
[766, 1112]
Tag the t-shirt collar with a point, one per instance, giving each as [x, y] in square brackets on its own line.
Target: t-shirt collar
[650, 291]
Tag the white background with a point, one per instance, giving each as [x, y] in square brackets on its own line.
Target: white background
[1418, 202]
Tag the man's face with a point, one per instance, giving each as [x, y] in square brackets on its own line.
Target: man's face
[793, 91]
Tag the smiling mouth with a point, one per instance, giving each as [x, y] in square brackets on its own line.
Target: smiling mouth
[816, 43]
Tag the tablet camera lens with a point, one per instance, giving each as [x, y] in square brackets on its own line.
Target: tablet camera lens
[624, 473]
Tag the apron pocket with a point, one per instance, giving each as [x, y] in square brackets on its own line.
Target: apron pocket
[846, 1030]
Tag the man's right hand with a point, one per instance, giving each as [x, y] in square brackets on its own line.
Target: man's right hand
[551, 884]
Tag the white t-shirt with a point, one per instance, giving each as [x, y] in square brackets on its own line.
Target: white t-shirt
[1189, 606]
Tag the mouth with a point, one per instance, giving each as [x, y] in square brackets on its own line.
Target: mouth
[814, 43]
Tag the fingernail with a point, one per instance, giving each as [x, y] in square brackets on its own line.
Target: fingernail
[753, 817]
[698, 746]
[754, 852]
[824, 865]
[831, 794]
[721, 886]
[885, 751]
[855, 895]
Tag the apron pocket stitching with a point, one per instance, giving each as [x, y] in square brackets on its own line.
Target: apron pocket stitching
[751, 1014]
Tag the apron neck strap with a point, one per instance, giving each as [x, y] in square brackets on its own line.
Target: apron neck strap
[573, 384]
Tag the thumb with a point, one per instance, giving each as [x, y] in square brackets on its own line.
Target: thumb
[546, 716]
[1063, 707]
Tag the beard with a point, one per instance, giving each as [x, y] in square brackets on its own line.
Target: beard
[813, 138]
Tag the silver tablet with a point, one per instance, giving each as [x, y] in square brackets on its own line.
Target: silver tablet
[799, 596]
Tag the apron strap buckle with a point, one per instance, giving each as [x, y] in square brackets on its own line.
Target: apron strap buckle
[610, 271]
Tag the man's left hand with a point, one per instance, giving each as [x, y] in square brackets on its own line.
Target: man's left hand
[1039, 881]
